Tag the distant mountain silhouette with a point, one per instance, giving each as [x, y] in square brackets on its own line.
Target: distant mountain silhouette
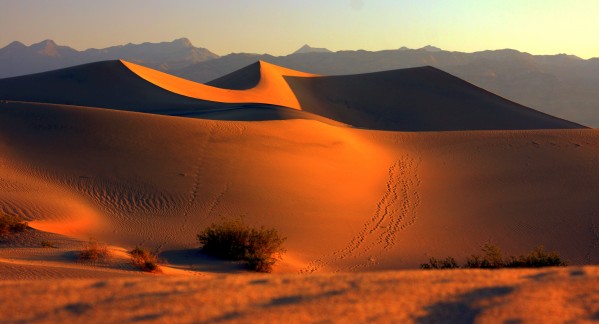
[18, 59]
[308, 49]
[430, 48]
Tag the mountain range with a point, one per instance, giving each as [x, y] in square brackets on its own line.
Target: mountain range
[18, 59]
[562, 85]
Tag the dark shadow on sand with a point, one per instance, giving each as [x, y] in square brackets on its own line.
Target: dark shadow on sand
[194, 260]
[463, 308]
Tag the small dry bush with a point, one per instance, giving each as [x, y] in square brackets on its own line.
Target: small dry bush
[447, 263]
[144, 260]
[11, 224]
[94, 252]
[492, 258]
[537, 258]
[260, 248]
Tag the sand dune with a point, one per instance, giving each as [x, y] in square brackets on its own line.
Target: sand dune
[271, 87]
[101, 151]
[420, 99]
[416, 99]
[118, 85]
[347, 199]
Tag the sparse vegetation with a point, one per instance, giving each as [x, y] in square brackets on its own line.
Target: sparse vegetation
[447, 263]
[492, 258]
[11, 224]
[144, 260]
[260, 248]
[537, 258]
[48, 244]
[94, 252]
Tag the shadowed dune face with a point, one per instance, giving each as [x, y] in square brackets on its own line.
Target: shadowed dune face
[108, 84]
[417, 99]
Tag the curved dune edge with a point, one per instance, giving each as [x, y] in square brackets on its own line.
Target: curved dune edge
[272, 88]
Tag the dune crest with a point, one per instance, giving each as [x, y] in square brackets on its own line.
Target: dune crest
[272, 88]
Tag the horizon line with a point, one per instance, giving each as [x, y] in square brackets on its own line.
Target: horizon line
[266, 53]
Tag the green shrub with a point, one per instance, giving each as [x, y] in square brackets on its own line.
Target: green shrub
[11, 224]
[144, 260]
[94, 252]
[447, 263]
[259, 248]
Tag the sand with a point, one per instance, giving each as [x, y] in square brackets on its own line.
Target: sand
[523, 296]
[416, 99]
[78, 164]
[270, 89]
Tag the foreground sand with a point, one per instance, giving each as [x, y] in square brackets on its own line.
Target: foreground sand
[503, 296]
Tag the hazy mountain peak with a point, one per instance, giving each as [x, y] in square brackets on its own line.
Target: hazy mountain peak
[308, 49]
[43, 44]
[430, 48]
[46, 47]
[15, 45]
[183, 42]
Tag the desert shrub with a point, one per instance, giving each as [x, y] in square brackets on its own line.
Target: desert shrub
[259, 248]
[144, 260]
[94, 252]
[492, 258]
[447, 263]
[48, 244]
[537, 258]
[11, 224]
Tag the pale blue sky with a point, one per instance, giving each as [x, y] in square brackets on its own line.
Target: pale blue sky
[281, 26]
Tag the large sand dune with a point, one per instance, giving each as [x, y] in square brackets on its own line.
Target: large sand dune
[416, 99]
[122, 86]
[347, 199]
[419, 99]
[102, 151]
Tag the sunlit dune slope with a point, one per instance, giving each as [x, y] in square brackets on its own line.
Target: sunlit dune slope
[270, 87]
[260, 75]
[416, 99]
[347, 199]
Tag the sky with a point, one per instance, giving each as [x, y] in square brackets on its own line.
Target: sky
[279, 27]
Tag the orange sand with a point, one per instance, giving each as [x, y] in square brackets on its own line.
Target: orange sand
[272, 88]
[347, 199]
